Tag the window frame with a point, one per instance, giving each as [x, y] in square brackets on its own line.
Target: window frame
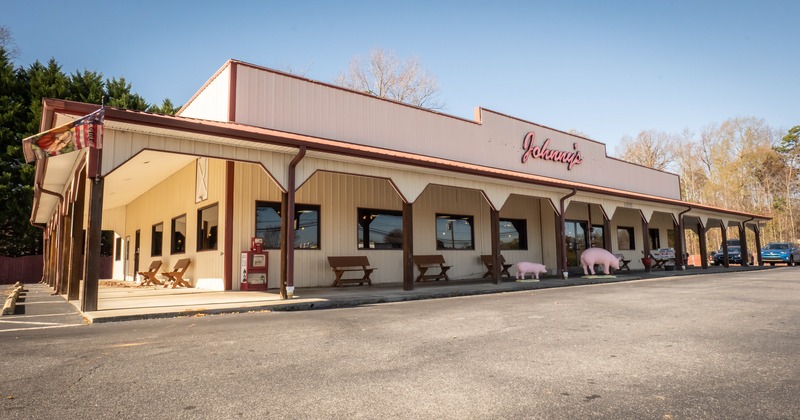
[160, 251]
[364, 235]
[118, 248]
[522, 235]
[173, 250]
[201, 234]
[454, 217]
[298, 209]
[631, 238]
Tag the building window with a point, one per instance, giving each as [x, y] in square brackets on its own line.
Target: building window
[157, 240]
[178, 235]
[454, 232]
[625, 239]
[207, 227]
[380, 229]
[118, 249]
[305, 222]
[513, 234]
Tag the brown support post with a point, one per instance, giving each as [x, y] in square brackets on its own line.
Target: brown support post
[725, 257]
[63, 257]
[757, 231]
[701, 234]
[76, 250]
[408, 246]
[494, 217]
[228, 244]
[743, 244]
[606, 233]
[646, 237]
[51, 260]
[91, 279]
[681, 237]
[678, 238]
[562, 234]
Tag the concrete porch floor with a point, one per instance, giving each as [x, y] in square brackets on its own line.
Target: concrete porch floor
[119, 301]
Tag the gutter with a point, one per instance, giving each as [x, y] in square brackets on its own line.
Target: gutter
[287, 288]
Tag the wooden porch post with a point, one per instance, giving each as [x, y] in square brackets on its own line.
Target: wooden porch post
[561, 245]
[494, 217]
[701, 234]
[757, 231]
[725, 256]
[408, 246]
[91, 279]
[64, 255]
[228, 244]
[606, 233]
[285, 226]
[646, 237]
[743, 244]
[77, 248]
[679, 248]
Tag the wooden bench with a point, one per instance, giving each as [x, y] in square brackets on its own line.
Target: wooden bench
[149, 276]
[359, 263]
[176, 275]
[427, 262]
[487, 261]
[623, 263]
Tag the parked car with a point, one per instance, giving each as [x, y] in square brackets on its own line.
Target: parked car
[734, 256]
[780, 252]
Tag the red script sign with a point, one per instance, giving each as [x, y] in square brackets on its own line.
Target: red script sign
[544, 153]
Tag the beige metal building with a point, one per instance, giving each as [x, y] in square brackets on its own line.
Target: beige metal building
[359, 175]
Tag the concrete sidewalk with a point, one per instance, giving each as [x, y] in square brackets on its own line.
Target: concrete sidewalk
[122, 301]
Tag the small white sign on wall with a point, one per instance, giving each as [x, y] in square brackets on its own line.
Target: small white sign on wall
[201, 188]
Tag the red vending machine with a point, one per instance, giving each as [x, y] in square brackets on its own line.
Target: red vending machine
[254, 267]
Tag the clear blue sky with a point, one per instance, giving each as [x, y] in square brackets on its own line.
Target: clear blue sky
[606, 68]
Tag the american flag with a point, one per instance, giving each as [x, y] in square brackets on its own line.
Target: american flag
[89, 130]
[84, 132]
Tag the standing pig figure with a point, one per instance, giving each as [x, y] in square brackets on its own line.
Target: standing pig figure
[598, 256]
[530, 268]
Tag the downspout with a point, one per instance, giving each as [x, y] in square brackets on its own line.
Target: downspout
[562, 222]
[290, 193]
[681, 266]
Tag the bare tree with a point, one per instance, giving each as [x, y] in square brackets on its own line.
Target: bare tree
[654, 149]
[7, 42]
[386, 76]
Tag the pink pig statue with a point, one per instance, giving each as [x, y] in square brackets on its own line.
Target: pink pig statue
[530, 268]
[598, 256]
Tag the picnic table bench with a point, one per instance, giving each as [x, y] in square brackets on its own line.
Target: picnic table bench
[662, 256]
[427, 262]
[488, 262]
[358, 263]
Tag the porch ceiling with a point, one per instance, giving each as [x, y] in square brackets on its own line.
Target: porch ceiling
[141, 173]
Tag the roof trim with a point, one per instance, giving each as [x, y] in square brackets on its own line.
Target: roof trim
[264, 135]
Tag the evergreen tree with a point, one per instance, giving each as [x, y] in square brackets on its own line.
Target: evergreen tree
[44, 82]
[166, 108]
[17, 236]
[86, 87]
[119, 95]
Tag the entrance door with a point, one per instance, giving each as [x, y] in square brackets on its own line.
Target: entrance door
[136, 238]
[577, 241]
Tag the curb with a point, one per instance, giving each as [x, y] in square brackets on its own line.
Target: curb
[11, 301]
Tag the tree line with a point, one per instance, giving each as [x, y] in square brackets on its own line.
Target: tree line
[21, 93]
[740, 164]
